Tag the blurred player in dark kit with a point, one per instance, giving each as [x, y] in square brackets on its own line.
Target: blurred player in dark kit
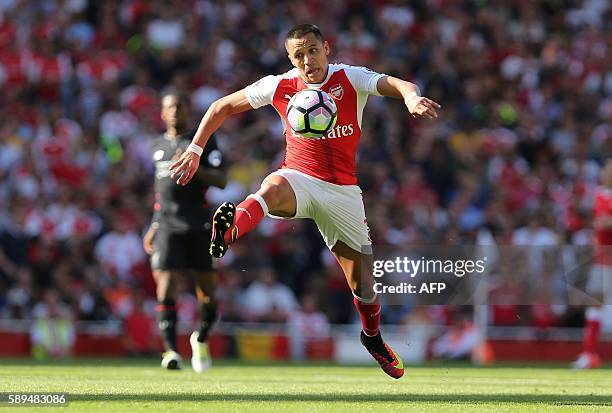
[180, 232]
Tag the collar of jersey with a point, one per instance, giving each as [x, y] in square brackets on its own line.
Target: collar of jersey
[168, 138]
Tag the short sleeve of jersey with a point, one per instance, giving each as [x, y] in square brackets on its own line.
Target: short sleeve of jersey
[364, 79]
[261, 92]
[212, 158]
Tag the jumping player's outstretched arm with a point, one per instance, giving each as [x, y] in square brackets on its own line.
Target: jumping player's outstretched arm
[187, 165]
[418, 106]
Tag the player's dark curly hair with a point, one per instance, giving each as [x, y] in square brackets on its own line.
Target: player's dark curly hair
[302, 30]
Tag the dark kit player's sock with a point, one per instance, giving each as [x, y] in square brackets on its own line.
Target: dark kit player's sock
[166, 322]
[248, 214]
[208, 315]
[369, 311]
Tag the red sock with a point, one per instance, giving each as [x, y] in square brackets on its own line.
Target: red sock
[248, 214]
[370, 316]
[592, 326]
[591, 335]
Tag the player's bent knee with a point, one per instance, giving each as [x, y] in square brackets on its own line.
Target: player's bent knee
[271, 193]
[278, 194]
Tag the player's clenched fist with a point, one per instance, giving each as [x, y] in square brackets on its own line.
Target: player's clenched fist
[185, 167]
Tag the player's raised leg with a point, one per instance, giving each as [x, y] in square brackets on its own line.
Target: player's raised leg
[231, 222]
[166, 317]
[205, 286]
[357, 269]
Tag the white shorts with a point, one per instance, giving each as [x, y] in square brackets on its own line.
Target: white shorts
[337, 210]
[600, 282]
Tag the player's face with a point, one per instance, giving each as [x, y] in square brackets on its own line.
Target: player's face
[174, 112]
[309, 55]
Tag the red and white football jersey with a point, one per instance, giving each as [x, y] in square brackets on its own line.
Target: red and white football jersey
[332, 157]
[603, 237]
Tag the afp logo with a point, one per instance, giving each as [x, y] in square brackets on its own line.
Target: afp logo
[336, 91]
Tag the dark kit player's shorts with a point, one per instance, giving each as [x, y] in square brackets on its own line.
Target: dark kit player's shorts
[182, 251]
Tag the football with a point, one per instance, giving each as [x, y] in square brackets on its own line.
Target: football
[311, 113]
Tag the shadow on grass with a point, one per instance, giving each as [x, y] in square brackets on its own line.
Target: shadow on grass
[554, 399]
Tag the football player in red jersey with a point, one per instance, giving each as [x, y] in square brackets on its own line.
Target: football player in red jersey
[599, 285]
[317, 178]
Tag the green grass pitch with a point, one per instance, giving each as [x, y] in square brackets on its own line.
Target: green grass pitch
[141, 386]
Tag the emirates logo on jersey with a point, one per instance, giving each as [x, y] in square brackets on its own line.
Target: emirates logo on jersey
[337, 92]
[340, 131]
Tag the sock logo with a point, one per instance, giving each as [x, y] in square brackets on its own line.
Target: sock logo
[245, 211]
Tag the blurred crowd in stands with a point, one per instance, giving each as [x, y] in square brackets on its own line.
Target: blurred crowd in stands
[525, 88]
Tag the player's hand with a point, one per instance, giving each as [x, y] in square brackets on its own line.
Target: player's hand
[147, 240]
[184, 168]
[420, 106]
